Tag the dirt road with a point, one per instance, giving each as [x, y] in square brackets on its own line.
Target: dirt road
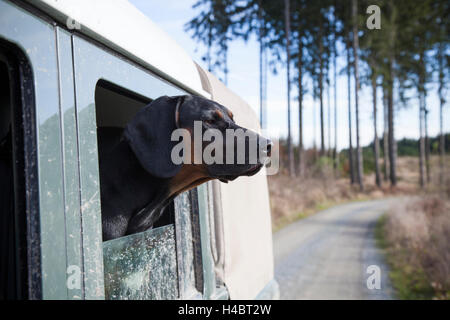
[333, 254]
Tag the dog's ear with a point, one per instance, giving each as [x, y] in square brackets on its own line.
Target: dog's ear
[148, 135]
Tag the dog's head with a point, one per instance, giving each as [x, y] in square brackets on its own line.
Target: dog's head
[240, 151]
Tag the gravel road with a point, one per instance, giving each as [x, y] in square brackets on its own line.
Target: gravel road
[326, 256]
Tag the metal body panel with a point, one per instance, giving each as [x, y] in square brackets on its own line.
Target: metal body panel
[37, 39]
[122, 27]
[71, 176]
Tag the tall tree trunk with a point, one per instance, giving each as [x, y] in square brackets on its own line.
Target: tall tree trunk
[329, 118]
[350, 147]
[385, 136]
[301, 161]
[423, 93]
[262, 70]
[208, 53]
[261, 102]
[421, 142]
[314, 127]
[390, 82]
[335, 156]
[423, 124]
[376, 143]
[288, 54]
[441, 114]
[391, 140]
[359, 160]
[225, 65]
[322, 133]
[427, 140]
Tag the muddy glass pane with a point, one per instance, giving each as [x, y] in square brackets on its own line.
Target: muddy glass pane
[141, 266]
[185, 246]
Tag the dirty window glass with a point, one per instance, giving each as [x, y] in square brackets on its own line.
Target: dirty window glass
[141, 266]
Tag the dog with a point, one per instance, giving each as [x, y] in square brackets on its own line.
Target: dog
[137, 174]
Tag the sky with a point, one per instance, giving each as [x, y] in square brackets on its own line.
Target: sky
[243, 79]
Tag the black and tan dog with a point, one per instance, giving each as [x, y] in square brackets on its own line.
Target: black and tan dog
[139, 177]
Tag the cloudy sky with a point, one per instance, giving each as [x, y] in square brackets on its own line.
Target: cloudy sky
[243, 79]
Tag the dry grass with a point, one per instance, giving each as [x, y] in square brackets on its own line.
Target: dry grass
[295, 198]
[417, 241]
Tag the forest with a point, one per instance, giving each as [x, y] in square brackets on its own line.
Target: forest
[398, 49]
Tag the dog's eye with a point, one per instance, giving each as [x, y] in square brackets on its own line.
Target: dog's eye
[210, 121]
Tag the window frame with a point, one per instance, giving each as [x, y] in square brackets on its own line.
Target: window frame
[24, 171]
[33, 35]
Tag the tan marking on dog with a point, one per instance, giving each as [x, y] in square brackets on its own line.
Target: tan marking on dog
[177, 117]
[188, 178]
[219, 114]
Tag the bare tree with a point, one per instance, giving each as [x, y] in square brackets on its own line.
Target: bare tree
[385, 136]
[390, 96]
[329, 116]
[427, 140]
[350, 147]
[287, 20]
[359, 161]
[441, 112]
[376, 143]
[335, 157]
[421, 142]
[322, 133]
[301, 161]
[314, 124]
[262, 69]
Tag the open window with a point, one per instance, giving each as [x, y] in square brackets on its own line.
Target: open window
[115, 107]
[164, 262]
[18, 195]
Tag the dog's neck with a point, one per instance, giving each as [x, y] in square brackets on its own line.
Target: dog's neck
[146, 201]
[138, 193]
[187, 178]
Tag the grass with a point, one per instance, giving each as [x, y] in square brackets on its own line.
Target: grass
[409, 283]
[415, 271]
[292, 199]
[283, 221]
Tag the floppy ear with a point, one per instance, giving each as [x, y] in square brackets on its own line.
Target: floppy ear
[148, 135]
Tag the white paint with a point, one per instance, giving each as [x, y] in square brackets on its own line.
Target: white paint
[119, 25]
